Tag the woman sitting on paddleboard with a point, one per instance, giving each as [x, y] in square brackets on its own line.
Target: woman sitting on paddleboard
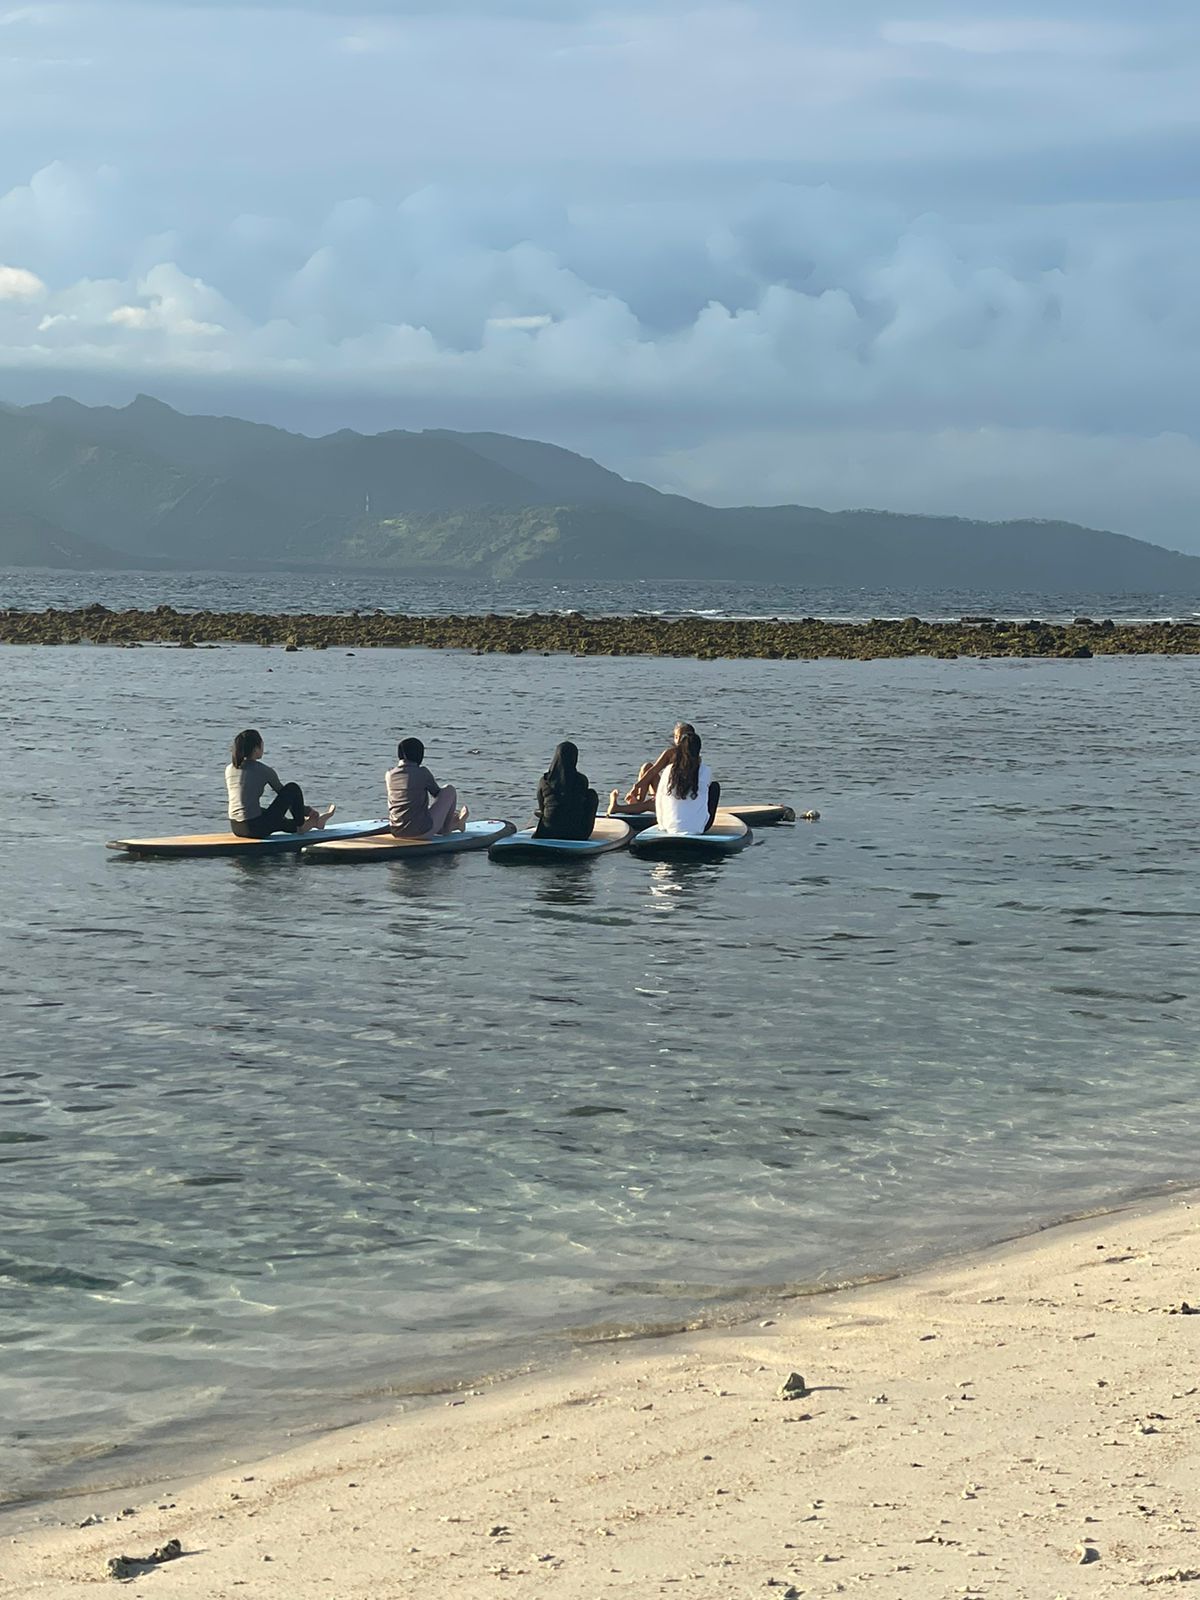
[246, 777]
[685, 795]
[566, 807]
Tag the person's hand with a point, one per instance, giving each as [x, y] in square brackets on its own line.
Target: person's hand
[636, 794]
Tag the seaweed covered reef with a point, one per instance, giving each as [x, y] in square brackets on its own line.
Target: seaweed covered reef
[571, 633]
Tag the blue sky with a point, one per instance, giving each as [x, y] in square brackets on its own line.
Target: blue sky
[927, 256]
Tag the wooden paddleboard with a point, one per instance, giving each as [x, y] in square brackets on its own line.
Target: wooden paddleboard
[754, 816]
[386, 847]
[229, 844]
[610, 833]
[727, 836]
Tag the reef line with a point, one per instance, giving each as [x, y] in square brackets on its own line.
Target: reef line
[574, 634]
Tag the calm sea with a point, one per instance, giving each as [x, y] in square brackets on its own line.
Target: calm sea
[292, 591]
[277, 1140]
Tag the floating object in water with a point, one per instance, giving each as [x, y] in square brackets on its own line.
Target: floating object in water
[230, 844]
[386, 847]
[610, 833]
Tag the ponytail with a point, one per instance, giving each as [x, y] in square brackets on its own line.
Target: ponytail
[245, 744]
[684, 780]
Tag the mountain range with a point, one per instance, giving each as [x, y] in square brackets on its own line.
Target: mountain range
[144, 485]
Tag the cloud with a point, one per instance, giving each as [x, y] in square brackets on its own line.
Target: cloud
[17, 283]
[676, 234]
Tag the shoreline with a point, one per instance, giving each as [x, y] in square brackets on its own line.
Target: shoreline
[513, 1357]
[574, 634]
[1044, 1373]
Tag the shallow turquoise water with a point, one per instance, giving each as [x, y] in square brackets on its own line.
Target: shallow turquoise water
[273, 1138]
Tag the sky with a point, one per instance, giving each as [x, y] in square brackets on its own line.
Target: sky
[928, 256]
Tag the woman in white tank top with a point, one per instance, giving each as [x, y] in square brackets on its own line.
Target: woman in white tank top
[685, 795]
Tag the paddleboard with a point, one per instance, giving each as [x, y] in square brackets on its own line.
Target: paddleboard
[228, 844]
[754, 816]
[386, 847]
[727, 835]
[610, 833]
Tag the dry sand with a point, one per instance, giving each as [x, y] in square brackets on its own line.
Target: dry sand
[1026, 1424]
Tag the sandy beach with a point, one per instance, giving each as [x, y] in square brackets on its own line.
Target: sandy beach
[1022, 1424]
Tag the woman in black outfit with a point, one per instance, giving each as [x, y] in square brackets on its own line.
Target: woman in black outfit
[566, 807]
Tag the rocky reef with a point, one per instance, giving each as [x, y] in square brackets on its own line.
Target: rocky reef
[571, 633]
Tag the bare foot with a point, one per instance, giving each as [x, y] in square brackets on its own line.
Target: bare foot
[614, 801]
[460, 821]
[320, 818]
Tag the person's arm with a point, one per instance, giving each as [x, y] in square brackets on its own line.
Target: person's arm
[432, 788]
[646, 784]
[539, 808]
[272, 778]
[714, 800]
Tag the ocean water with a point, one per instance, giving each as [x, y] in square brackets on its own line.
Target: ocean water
[279, 1140]
[33, 589]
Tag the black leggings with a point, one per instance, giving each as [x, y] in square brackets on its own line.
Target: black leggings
[275, 818]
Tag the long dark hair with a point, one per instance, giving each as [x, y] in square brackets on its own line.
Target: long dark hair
[245, 744]
[563, 773]
[685, 765]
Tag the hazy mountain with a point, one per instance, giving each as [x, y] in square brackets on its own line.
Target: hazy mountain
[27, 540]
[90, 486]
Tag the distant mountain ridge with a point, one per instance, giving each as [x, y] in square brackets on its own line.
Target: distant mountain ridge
[84, 486]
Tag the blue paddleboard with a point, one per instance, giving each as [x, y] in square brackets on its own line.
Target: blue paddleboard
[726, 837]
[385, 847]
[610, 833]
[754, 816]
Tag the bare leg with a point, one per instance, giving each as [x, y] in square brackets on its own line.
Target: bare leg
[635, 801]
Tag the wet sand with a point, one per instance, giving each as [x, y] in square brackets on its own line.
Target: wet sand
[700, 638]
[1023, 1425]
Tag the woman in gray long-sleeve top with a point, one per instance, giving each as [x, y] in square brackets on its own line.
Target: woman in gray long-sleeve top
[246, 777]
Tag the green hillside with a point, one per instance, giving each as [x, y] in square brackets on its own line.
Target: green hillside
[91, 486]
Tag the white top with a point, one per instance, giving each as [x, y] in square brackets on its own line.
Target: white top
[674, 813]
[245, 785]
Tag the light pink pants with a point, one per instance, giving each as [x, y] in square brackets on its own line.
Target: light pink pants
[444, 808]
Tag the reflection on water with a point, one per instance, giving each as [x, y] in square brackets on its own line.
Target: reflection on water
[291, 1135]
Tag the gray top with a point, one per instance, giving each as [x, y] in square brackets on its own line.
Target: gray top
[245, 785]
[408, 790]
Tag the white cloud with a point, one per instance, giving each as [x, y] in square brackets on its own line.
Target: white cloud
[525, 324]
[18, 283]
[957, 238]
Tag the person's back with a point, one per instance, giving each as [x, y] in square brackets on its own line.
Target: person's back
[566, 806]
[409, 786]
[245, 785]
[685, 800]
